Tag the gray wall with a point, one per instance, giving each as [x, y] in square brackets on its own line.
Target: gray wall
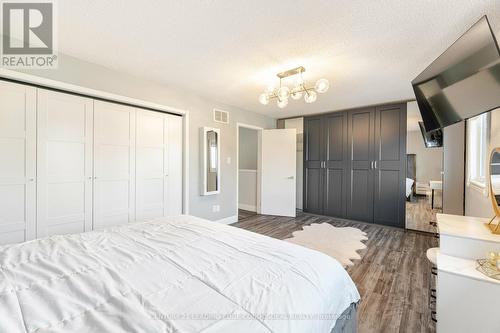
[478, 203]
[453, 165]
[248, 150]
[429, 160]
[74, 71]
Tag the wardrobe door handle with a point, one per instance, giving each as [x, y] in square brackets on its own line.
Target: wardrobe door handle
[375, 164]
[371, 165]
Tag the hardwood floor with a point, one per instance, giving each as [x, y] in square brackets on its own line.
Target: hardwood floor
[419, 213]
[244, 214]
[392, 276]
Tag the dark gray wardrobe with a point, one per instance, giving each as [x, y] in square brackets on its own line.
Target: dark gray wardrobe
[355, 164]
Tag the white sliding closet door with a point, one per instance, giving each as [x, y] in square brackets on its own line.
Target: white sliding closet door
[114, 164]
[159, 164]
[18, 162]
[64, 163]
[174, 165]
[151, 159]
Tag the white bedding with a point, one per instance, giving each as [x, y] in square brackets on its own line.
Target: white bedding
[409, 184]
[177, 274]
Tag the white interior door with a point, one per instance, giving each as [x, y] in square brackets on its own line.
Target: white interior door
[278, 169]
[151, 160]
[17, 163]
[174, 193]
[114, 164]
[64, 163]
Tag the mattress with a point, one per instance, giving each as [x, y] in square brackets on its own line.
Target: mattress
[409, 184]
[180, 274]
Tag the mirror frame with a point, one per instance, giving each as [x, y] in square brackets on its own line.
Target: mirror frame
[204, 160]
[495, 228]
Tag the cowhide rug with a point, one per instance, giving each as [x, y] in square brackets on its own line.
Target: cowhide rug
[339, 243]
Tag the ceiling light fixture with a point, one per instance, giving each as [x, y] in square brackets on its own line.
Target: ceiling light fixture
[283, 93]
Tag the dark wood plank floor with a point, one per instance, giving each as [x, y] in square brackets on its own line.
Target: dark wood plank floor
[419, 213]
[244, 214]
[392, 276]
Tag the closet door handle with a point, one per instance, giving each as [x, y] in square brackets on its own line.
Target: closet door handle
[371, 165]
[375, 164]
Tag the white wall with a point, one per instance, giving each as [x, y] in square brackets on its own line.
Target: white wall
[74, 71]
[477, 203]
[247, 190]
[429, 160]
[248, 158]
[249, 146]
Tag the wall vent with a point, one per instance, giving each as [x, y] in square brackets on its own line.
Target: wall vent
[221, 116]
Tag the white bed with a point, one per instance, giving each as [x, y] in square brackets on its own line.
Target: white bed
[177, 274]
[409, 185]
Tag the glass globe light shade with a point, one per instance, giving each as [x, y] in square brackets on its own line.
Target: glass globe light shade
[282, 103]
[284, 93]
[322, 85]
[264, 99]
[296, 94]
[310, 97]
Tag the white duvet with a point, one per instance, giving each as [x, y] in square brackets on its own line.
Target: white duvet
[179, 274]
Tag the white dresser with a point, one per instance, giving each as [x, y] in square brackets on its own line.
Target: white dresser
[467, 300]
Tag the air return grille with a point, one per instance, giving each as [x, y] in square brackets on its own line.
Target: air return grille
[221, 116]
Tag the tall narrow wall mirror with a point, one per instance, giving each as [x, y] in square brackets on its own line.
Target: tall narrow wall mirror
[210, 151]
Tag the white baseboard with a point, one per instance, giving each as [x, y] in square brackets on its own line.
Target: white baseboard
[228, 220]
[250, 208]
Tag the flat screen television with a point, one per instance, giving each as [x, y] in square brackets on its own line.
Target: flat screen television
[462, 82]
[432, 139]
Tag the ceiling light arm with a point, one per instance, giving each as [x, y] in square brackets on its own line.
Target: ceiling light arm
[282, 93]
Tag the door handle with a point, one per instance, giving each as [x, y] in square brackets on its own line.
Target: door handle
[375, 164]
[291, 177]
[371, 165]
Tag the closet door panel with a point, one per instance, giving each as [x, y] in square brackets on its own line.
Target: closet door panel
[361, 146]
[313, 198]
[335, 192]
[390, 170]
[335, 139]
[150, 164]
[174, 141]
[313, 158]
[64, 163]
[114, 164]
[18, 166]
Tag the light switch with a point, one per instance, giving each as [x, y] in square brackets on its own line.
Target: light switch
[228, 160]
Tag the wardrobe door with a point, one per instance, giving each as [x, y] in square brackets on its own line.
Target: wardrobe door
[114, 164]
[361, 155]
[151, 161]
[64, 163]
[18, 162]
[390, 165]
[313, 159]
[335, 173]
[174, 140]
